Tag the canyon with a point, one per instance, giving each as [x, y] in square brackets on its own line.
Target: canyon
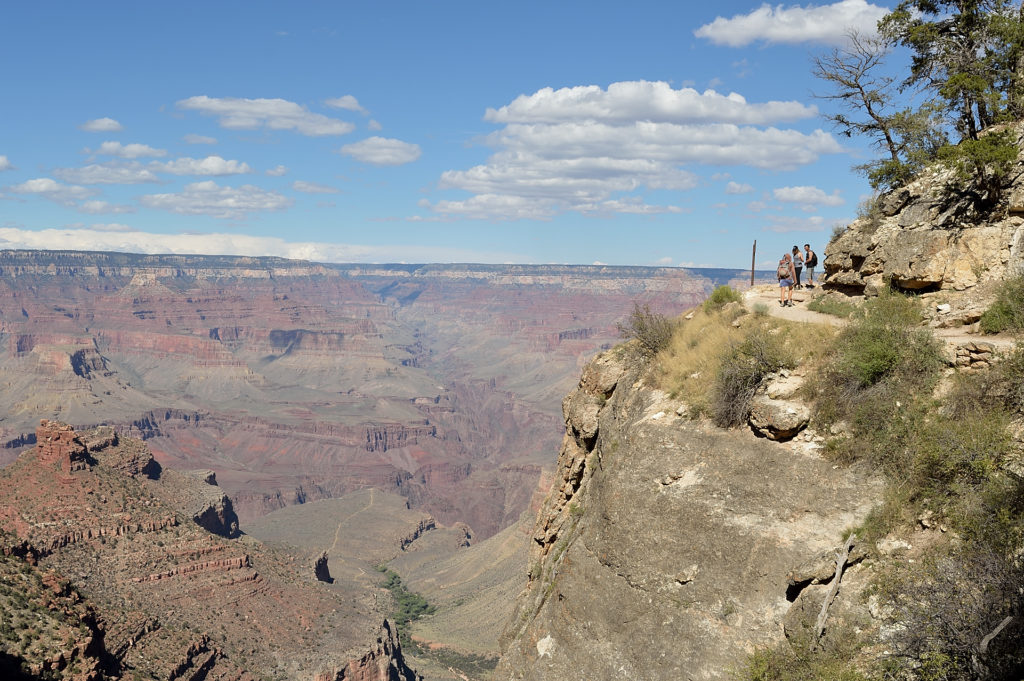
[297, 381]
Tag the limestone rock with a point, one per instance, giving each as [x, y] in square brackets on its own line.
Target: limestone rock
[783, 387]
[778, 419]
[669, 560]
[929, 235]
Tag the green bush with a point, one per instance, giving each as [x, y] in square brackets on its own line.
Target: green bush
[832, 306]
[722, 296]
[1007, 311]
[744, 367]
[880, 356]
[653, 330]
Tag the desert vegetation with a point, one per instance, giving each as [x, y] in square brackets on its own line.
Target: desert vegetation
[944, 442]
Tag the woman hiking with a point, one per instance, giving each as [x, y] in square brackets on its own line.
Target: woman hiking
[786, 276]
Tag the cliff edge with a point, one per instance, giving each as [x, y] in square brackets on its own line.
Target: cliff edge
[666, 546]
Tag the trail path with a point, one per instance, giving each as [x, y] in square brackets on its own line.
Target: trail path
[768, 295]
[337, 535]
[350, 516]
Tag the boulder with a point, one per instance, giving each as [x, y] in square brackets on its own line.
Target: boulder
[778, 419]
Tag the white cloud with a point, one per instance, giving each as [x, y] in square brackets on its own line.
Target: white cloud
[209, 198]
[347, 102]
[277, 171]
[632, 101]
[101, 125]
[829, 24]
[787, 223]
[107, 173]
[382, 151]
[198, 139]
[96, 207]
[5, 164]
[737, 188]
[273, 114]
[808, 196]
[577, 165]
[496, 207]
[128, 150]
[374, 125]
[125, 239]
[312, 188]
[664, 262]
[52, 190]
[756, 206]
[210, 166]
[588, 150]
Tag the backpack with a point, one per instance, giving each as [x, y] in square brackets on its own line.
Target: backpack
[783, 271]
[813, 260]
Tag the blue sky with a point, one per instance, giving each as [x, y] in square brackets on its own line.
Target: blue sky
[578, 132]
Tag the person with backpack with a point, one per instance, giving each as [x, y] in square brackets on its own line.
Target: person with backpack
[810, 262]
[786, 276]
[798, 265]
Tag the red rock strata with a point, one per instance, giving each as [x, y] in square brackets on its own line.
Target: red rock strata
[176, 602]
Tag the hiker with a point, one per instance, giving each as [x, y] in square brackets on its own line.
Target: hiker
[798, 265]
[810, 262]
[786, 278]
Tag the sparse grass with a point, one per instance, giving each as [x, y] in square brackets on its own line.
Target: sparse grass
[1007, 311]
[831, 305]
[691, 360]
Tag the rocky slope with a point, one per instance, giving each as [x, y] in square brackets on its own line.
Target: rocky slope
[133, 584]
[667, 548]
[295, 381]
[930, 237]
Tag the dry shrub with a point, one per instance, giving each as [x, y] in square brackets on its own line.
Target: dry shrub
[949, 604]
[651, 329]
[742, 371]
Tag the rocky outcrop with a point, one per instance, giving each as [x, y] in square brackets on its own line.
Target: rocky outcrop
[778, 419]
[665, 547]
[930, 236]
[383, 662]
[424, 525]
[321, 572]
[58, 445]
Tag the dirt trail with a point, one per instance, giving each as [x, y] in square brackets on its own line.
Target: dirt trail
[350, 516]
[768, 295]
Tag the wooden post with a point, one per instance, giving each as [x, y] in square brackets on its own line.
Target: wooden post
[753, 257]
